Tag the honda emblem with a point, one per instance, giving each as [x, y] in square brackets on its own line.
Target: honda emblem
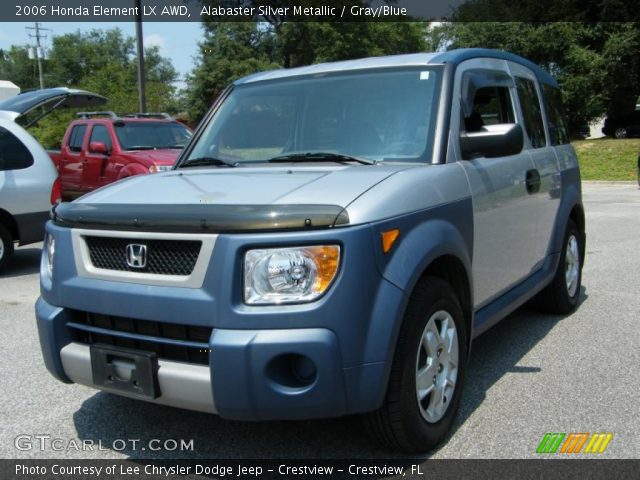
[136, 255]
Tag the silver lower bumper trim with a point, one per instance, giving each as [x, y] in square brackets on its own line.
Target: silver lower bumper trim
[182, 385]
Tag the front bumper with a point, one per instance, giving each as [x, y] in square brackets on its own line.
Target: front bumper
[344, 341]
[249, 376]
[174, 379]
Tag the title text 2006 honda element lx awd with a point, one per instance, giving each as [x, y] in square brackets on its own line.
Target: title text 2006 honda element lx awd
[329, 243]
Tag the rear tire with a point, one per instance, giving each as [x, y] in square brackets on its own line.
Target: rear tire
[6, 246]
[620, 133]
[562, 294]
[421, 403]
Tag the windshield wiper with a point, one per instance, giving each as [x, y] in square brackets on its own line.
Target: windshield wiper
[140, 147]
[204, 161]
[173, 145]
[321, 157]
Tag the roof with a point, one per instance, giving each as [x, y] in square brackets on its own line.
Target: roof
[462, 54]
[406, 60]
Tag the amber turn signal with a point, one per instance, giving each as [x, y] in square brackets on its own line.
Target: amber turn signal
[389, 238]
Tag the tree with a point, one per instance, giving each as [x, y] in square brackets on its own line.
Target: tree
[304, 43]
[229, 51]
[595, 61]
[15, 65]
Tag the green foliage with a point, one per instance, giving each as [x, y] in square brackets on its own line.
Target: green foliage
[608, 159]
[76, 56]
[16, 66]
[228, 51]
[50, 130]
[304, 43]
[595, 61]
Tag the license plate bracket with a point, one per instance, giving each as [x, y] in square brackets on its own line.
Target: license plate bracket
[125, 370]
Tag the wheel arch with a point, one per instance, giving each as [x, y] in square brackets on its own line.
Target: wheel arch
[571, 208]
[435, 248]
[451, 270]
[577, 215]
[131, 170]
[9, 223]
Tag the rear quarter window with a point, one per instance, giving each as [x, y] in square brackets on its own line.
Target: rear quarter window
[558, 129]
[14, 155]
[531, 111]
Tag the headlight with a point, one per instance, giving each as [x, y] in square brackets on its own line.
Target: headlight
[49, 252]
[289, 275]
[160, 168]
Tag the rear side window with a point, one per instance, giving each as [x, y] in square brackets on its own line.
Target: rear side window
[558, 130]
[13, 154]
[531, 111]
[76, 137]
[100, 133]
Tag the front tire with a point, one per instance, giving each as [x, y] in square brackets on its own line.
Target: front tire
[425, 383]
[6, 246]
[562, 294]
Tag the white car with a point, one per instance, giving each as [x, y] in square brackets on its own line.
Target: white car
[29, 182]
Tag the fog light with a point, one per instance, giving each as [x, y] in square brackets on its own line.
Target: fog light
[304, 368]
[292, 371]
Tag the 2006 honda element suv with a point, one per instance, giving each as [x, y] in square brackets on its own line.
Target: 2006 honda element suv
[329, 243]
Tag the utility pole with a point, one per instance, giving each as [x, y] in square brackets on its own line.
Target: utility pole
[39, 51]
[142, 100]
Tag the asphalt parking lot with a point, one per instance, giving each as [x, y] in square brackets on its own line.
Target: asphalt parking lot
[529, 375]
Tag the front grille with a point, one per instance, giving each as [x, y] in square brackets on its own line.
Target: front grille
[163, 257]
[170, 341]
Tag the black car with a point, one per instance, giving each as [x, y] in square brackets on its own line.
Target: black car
[624, 126]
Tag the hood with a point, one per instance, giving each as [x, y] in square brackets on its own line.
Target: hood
[166, 156]
[224, 199]
[246, 186]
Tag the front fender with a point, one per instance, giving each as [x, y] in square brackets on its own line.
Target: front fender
[424, 237]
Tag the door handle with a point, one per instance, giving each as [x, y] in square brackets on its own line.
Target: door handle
[532, 181]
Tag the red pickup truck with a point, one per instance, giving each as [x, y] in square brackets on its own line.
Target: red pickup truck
[101, 147]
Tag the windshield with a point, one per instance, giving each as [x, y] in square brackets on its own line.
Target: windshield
[151, 135]
[382, 115]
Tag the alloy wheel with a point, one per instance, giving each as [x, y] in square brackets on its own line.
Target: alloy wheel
[437, 366]
[572, 265]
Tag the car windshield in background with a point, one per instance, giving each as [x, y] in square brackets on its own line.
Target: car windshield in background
[151, 135]
[384, 115]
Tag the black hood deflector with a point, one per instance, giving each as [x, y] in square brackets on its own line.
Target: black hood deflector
[198, 218]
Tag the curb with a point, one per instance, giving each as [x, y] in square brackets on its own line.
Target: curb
[609, 182]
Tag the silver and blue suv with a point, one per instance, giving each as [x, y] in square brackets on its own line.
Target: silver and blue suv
[329, 243]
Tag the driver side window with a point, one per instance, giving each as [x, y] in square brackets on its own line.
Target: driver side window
[100, 133]
[491, 106]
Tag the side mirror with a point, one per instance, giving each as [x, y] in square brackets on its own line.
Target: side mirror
[498, 140]
[98, 147]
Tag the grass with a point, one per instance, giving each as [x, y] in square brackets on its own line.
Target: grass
[608, 159]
